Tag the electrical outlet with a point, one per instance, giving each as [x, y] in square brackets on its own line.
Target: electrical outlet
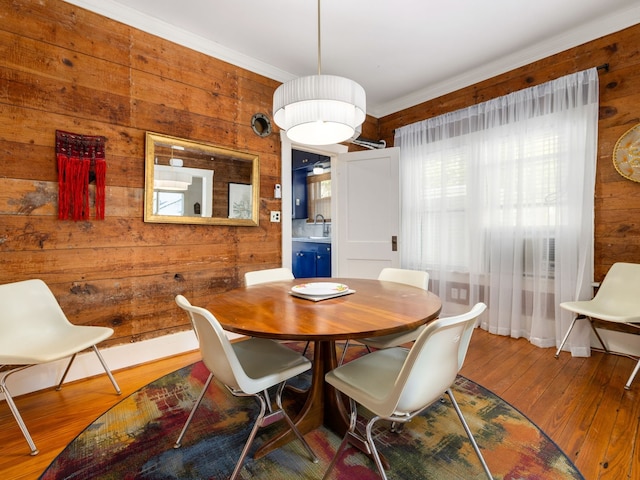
[275, 216]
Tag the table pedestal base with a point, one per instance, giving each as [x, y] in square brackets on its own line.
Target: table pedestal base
[323, 405]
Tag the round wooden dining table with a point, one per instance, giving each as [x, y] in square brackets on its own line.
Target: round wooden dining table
[269, 310]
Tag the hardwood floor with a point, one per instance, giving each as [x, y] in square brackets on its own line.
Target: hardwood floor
[579, 402]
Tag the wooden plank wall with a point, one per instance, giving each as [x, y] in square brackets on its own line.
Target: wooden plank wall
[617, 200]
[64, 68]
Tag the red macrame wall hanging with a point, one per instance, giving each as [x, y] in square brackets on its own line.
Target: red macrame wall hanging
[81, 160]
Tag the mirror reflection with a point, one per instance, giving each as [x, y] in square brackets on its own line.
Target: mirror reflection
[194, 182]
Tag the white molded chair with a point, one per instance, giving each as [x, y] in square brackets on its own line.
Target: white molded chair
[247, 369]
[396, 384]
[269, 275]
[35, 330]
[257, 277]
[414, 278]
[616, 301]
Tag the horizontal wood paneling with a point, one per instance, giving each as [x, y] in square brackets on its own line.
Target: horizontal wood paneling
[64, 68]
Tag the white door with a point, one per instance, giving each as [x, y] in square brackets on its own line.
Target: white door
[366, 212]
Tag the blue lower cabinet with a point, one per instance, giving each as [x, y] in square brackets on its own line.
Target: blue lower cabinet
[304, 264]
[323, 264]
[311, 259]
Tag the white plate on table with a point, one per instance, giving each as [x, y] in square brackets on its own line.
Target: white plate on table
[320, 288]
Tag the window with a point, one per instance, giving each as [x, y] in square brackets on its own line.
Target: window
[319, 196]
[168, 203]
[499, 197]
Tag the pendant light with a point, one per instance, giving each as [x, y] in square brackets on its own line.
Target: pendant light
[318, 169]
[170, 177]
[319, 109]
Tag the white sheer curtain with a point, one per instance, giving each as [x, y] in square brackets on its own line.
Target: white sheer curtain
[497, 204]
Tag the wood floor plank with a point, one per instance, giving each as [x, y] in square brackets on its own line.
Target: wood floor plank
[531, 385]
[54, 418]
[549, 390]
[598, 440]
[577, 420]
[504, 354]
[516, 366]
[579, 402]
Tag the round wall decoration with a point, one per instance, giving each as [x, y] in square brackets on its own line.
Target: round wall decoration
[261, 125]
[626, 154]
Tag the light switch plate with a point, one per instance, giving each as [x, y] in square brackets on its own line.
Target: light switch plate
[275, 216]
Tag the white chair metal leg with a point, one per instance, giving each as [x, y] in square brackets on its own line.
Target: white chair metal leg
[106, 369]
[374, 450]
[252, 436]
[193, 411]
[15, 412]
[348, 438]
[469, 434]
[633, 375]
[104, 365]
[265, 419]
[66, 370]
[14, 408]
[566, 335]
[293, 427]
[344, 352]
[595, 331]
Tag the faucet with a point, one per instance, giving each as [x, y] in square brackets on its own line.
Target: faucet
[325, 227]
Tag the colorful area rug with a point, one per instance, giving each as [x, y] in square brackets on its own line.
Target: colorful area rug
[134, 440]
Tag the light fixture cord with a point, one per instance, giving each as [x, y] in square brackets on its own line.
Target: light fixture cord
[319, 51]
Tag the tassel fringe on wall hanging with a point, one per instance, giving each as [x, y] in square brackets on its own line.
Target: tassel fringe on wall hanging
[81, 161]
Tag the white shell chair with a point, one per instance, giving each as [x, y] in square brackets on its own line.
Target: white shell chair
[616, 301]
[257, 277]
[414, 278]
[396, 384]
[269, 275]
[34, 330]
[247, 369]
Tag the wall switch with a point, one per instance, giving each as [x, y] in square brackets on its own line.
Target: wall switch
[275, 216]
[277, 191]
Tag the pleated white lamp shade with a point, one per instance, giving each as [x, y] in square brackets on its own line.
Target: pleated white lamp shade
[319, 109]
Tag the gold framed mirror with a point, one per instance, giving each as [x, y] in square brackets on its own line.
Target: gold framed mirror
[193, 182]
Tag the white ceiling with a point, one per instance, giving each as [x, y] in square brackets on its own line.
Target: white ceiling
[403, 52]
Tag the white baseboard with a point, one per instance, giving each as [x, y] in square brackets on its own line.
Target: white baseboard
[619, 342]
[87, 364]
